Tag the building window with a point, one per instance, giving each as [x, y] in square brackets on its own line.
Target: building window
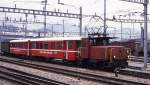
[59, 45]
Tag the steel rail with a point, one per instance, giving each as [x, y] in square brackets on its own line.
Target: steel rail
[88, 76]
[26, 78]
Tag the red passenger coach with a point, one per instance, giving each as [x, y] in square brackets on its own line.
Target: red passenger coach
[19, 47]
[65, 48]
[58, 47]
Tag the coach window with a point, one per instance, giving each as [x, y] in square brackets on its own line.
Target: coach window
[70, 44]
[11, 44]
[17, 45]
[33, 45]
[52, 45]
[24, 45]
[41, 45]
[37, 45]
[45, 45]
[59, 45]
[20, 45]
[14, 44]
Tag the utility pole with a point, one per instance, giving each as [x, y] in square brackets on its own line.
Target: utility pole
[145, 33]
[26, 15]
[130, 33]
[142, 36]
[121, 31]
[80, 21]
[133, 32]
[52, 30]
[45, 5]
[145, 4]
[4, 24]
[104, 18]
[63, 27]
[85, 29]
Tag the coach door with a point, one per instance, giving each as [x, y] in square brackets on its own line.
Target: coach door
[28, 48]
[66, 52]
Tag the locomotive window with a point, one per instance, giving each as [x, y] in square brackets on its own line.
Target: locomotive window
[45, 45]
[70, 44]
[59, 45]
[33, 45]
[78, 44]
[52, 45]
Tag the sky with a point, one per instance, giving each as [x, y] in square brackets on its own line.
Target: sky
[90, 7]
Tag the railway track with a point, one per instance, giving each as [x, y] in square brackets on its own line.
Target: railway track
[84, 75]
[26, 78]
[138, 59]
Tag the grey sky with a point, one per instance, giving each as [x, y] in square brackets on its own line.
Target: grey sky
[114, 7]
[89, 6]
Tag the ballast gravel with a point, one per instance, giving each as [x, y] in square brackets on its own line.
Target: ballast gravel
[54, 76]
[7, 82]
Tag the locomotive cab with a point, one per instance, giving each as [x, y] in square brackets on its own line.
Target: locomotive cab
[102, 41]
[98, 50]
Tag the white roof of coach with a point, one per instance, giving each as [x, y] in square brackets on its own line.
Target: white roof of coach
[56, 39]
[20, 40]
[48, 39]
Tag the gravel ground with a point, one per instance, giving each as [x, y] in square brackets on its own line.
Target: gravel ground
[70, 80]
[6, 82]
[54, 76]
[103, 73]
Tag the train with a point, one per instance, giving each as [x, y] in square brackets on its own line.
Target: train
[95, 51]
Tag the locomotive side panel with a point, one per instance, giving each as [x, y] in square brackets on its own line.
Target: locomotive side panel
[98, 53]
[84, 53]
[118, 53]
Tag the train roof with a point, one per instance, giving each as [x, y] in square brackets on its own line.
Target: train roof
[48, 39]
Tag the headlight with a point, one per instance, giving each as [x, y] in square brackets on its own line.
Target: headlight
[128, 56]
[114, 56]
